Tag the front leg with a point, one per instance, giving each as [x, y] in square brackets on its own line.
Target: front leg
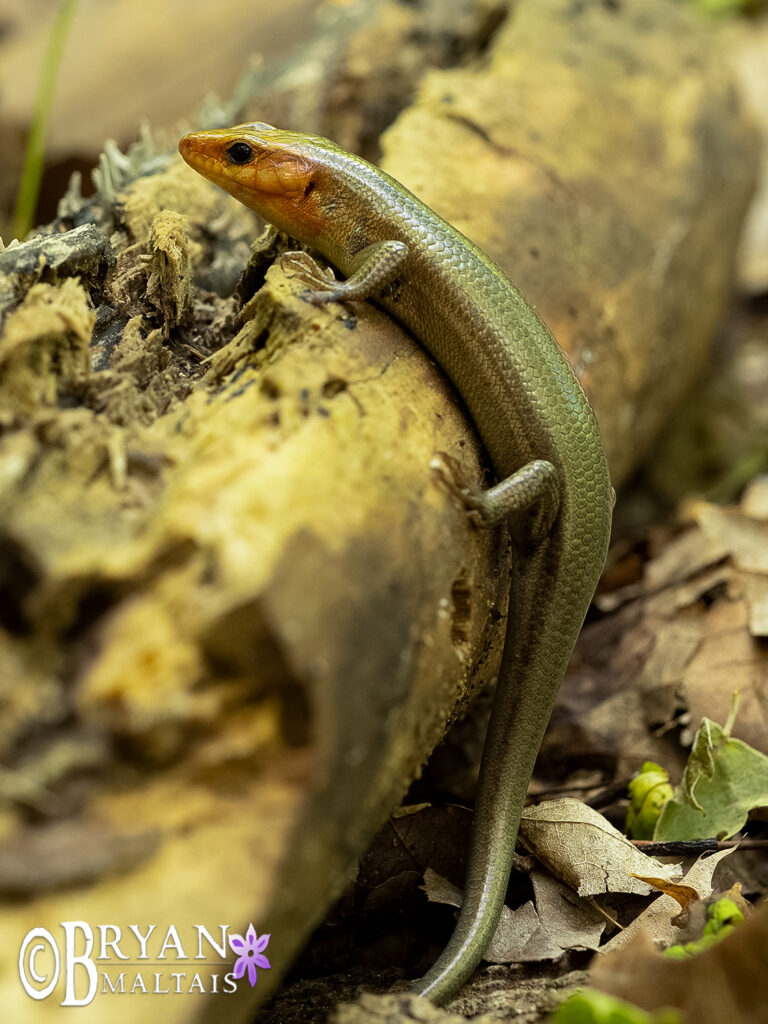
[374, 268]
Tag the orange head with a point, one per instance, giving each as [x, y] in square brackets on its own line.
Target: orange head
[274, 172]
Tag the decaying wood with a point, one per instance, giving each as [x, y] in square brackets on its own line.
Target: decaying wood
[238, 611]
[271, 609]
[609, 167]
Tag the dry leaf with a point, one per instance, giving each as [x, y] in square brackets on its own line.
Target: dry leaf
[559, 920]
[565, 921]
[657, 920]
[744, 537]
[684, 894]
[683, 640]
[727, 983]
[583, 849]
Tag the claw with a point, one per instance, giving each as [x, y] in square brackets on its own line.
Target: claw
[448, 473]
[304, 267]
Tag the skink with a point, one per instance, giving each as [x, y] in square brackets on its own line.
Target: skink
[532, 416]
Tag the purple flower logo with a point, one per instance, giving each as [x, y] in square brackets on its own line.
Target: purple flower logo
[250, 954]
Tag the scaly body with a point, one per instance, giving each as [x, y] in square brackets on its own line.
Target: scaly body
[530, 413]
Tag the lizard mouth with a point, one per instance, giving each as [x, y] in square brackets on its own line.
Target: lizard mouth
[194, 150]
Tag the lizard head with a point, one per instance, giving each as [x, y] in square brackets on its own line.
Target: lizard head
[278, 174]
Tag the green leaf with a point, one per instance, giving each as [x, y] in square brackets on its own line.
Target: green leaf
[592, 1007]
[722, 917]
[724, 779]
[34, 161]
[649, 791]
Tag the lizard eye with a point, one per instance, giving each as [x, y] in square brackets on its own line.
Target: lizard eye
[239, 152]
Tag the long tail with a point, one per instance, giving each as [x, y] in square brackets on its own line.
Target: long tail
[532, 667]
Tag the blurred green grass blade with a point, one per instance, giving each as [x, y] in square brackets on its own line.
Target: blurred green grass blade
[29, 187]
